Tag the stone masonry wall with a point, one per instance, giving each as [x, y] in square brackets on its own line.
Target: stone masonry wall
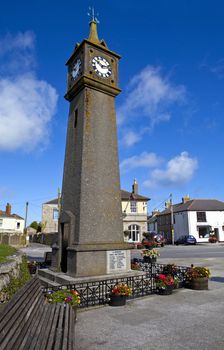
[8, 269]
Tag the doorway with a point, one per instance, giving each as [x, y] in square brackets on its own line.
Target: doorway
[64, 245]
[216, 233]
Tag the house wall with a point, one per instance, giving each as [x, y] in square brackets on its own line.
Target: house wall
[48, 217]
[181, 224]
[141, 207]
[137, 218]
[215, 219]
[8, 224]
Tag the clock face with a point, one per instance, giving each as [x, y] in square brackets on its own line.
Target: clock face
[101, 66]
[76, 69]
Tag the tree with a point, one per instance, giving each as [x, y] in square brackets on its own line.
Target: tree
[38, 226]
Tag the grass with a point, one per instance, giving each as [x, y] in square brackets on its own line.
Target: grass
[5, 251]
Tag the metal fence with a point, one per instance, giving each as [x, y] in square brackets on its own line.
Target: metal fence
[98, 292]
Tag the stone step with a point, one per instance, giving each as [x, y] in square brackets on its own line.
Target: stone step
[45, 282]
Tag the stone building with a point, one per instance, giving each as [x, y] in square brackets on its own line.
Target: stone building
[134, 210]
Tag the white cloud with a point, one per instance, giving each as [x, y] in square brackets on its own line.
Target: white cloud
[150, 95]
[179, 171]
[26, 108]
[216, 68]
[145, 159]
[27, 104]
[130, 138]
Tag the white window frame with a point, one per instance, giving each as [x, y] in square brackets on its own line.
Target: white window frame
[134, 234]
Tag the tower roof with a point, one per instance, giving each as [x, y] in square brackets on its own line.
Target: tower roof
[93, 35]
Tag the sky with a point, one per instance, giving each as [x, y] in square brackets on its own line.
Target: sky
[170, 113]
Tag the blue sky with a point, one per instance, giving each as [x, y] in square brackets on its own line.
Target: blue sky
[170, 112]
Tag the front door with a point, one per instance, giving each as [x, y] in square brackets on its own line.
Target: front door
[216, 232]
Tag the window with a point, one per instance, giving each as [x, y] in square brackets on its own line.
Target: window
[134, 232]
[203, 231]
[76, 118]
[18, 225]
[201, 216]
[133, 206]
[1, 222]
[55, 214]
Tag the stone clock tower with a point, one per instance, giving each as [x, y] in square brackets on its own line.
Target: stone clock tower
[91, 239]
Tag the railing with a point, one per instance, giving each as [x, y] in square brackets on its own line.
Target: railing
[98, 292]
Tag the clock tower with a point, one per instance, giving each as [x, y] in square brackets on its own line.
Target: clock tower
[91, 241]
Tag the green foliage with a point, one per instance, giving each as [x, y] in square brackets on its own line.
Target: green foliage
[5, 251]
[34, 225]
[17, 282]
[38, 226]
[64, 296]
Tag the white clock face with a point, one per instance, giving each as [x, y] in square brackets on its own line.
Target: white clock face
[76, 69]
[101, 66]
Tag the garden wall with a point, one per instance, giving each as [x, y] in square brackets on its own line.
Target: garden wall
[8, 271]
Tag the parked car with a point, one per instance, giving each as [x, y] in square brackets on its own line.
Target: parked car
[187, 239]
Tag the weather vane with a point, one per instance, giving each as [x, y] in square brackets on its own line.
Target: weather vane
[91, 13]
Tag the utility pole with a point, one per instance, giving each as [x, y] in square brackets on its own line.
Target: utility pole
[26, 215]
[25, 224]
[59, 201]
[172, 221]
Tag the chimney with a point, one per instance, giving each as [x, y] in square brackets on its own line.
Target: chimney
[8, 209]
[168, 204]
[135, 187]
[185, 199]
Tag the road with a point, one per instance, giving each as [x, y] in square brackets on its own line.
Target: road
[181, 251]
[35, 251]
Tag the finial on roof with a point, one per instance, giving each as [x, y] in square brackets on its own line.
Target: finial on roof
[135, 187]
[93, 36]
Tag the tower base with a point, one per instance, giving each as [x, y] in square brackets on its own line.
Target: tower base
[85, 260]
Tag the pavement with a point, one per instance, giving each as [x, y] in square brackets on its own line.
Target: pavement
[185, 320]
[35, 251]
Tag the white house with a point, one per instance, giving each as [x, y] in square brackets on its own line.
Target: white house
[197, 217]
[134, 210]
[11, 223]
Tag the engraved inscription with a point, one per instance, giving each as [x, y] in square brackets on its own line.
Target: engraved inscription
[116, 261]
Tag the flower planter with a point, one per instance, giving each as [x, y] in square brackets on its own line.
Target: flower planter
[117, 300]
[149, 259]
[200, 283]
[167, 291]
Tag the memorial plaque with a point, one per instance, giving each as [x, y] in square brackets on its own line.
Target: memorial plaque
[116, 261]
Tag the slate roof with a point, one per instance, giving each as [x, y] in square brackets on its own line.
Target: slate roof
[196, 205]
[53, 201]
[3, 214]
[125, 195]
